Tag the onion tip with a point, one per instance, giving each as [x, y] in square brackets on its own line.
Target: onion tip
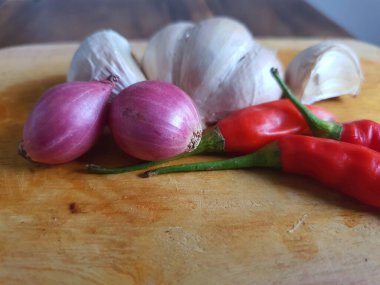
[21, 151]
[149, 173]
[91, 167]
[113, 78]
[195, 140]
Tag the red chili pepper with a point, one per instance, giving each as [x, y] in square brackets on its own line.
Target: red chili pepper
[242, 132]
[248, 129]
[350, 169]
[361, 132]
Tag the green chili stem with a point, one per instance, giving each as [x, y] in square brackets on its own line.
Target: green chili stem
[319, 127]
[268, 156]
[212, 141]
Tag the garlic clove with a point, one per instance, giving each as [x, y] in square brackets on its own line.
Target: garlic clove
[326, 70]
[209, 52]
[102, 54]
[158, 59]
[249, 78]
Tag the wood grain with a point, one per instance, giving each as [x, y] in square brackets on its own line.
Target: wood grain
[59, 225]
[36, 21]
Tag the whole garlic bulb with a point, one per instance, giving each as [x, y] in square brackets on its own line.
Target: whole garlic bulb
[325, 70]
[217, 62]
[102, 54]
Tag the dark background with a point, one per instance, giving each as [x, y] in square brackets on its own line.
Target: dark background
[36, 21]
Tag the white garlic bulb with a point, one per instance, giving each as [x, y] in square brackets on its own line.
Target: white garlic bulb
[102, 54]
[159, 56]
[326, 70]
[217, 62]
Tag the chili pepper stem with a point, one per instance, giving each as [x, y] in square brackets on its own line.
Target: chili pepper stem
[212, 141]
[319, 127]
[268, 156]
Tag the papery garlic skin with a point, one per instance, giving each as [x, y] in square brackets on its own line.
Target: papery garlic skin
[325, 70]
[209, 52]
[102, 54]
[218, 63]
[158, 60]
[251, 80]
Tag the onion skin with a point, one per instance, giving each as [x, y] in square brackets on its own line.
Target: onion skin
[153, 120]
[66, 122]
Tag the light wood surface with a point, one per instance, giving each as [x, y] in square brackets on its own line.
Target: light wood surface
[60, 225]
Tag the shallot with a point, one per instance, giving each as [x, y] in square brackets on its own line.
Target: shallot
[154, 120]
[66, 121]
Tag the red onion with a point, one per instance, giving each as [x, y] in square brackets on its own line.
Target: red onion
[66, 121]
[154, 120]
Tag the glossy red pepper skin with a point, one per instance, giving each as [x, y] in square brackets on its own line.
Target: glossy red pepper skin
[248, 129]
[350, 169]
[363, 132]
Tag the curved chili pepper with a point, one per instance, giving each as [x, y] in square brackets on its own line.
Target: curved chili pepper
[361, 132]
[351, 169]
[248, 129]
[241, 132]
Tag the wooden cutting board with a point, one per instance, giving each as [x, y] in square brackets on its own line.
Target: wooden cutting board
[60, 225]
